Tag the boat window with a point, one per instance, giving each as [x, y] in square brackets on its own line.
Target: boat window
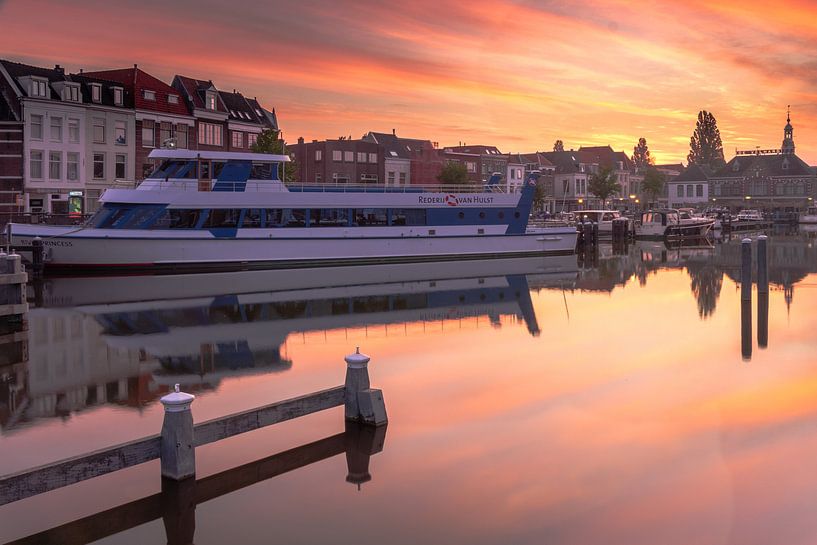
[656, 218]
[371, 216]
[222, 218]
[140, 215]
[408, 216]
[204, 170]
[218, 166]
[647, 218]
[165, 168]
[294, 218]
[329, 217]
[608, 216]
[252, 219]
[115, 219]
[261, 171]
[175, 218]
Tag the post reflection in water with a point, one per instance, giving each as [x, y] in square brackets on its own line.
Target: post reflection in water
[625, 368]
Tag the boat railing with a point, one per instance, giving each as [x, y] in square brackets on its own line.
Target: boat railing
[276, 186]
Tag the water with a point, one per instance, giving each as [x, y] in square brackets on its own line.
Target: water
[616, 398]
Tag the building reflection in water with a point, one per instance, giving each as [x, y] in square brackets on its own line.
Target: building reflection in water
[131, 353]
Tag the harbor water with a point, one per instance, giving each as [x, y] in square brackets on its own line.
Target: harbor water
[623, 396]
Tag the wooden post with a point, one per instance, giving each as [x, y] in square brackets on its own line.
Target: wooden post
[361, 402]
[746, 330]
[762, 265]
[178, 500]
[177, 449]
[37, 257]
[746, 269]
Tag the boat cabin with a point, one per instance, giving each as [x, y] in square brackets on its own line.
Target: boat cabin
[660, 217]
[597, 216]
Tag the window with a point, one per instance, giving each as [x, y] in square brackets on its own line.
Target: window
[177, 219]
[99, 166]
[364, 217]
[238, 139]
[172, 99]
[70, 93]
[699, 190]
[120, 133]
[120, 166]
[222, 218]
[56, 129]
[54, 165]
[680, 191]
[181, 136]
[149, 95]
[408, 216]
[318, 155]
[117, 96]
[689, 191]
[36, 164]
[277, 217]
[402, 178]
[36, 127]
[72, 166]
[251, 140]
[348, 156]
[471, 166]
[318, 178]
[39, 88]
[99, 130]
[204, 170]
[329, 217]
[165, 132]
[148, 135]
[390, 177]
[211, 100]
[210, 134]
[361, 157]
[96, 92]
[337, 155]
[73, 131]
[373, 158]
[252, 219]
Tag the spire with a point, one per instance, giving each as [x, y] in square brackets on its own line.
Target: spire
[788, 134]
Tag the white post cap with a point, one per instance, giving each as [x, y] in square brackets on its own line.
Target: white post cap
[762, 237]
[357, 360]
[177, 401]
[746, 241]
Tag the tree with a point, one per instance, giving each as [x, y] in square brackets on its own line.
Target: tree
[604, 183]
[641, 155]
[268, 142]
[539, 196]
[705, 146]
[453, 173]
[558, 145]
[653, 184]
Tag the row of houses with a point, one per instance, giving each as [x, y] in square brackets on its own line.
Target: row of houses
[65, 137]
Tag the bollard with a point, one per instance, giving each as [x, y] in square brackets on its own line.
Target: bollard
[595, 232]
[178, 454]
[37, 257]
[579, 233]
[178, 500]
[762, 265]
[746, 269]
[361, 402]
[746, 330]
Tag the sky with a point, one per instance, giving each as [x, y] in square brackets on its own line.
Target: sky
[515, 74]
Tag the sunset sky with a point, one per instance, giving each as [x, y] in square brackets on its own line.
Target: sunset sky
[516, 74]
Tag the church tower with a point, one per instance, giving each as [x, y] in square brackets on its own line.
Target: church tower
[788, 134]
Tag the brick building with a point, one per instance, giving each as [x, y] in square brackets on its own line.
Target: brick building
[338, 161]
[11, 157]
[407, 161]
[246, 120]
[480, 161]
[161, 114]
[209, 111]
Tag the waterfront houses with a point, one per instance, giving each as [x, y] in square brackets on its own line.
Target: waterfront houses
[480, 161]
[572, 170]
[247, 119]
[341, 161]
[11, 156]
[690, 188]
[407, 161]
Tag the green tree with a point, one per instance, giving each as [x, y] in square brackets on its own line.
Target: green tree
[705, 146]
[453, 173]
[269, 142]
[539, 196]
[558, 145]
[604, 183]
[641, 155]
[653, 184]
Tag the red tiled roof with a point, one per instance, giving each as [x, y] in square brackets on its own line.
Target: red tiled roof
[137, 81]
[195, 88]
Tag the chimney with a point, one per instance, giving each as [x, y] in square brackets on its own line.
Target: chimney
[300, 139]
[80, 70]
[394, 132]
[59, 69]
[135, 66]
[314, 141]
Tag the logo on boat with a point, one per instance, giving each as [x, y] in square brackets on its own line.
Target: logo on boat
[451, 200]
[455, 200]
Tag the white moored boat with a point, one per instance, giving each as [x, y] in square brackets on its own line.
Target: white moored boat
[672, 224]
[230, 211]
[809, 216]
[604, 218]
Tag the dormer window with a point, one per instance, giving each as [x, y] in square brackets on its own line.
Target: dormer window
[39, 88]
[736, 166]
[172, 99]
[149, 95]
[70, 93]
[211, 100]
[96, 92]
[259, 112]
[118, 95]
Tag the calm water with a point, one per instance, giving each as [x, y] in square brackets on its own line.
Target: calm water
[613, 399]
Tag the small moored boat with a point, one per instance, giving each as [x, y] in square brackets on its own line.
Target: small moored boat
[671, 223]
[809, 216]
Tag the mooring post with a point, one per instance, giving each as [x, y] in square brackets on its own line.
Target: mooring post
[362, 403]
[746, 269]
[762, 320]
[37, 257]
[177, 451]
[762, 265]
[746, 330]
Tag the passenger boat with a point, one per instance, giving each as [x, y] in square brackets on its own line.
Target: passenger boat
[604, 218]
[222, 211]
[749, 220]
[671, 223]
[809, 216]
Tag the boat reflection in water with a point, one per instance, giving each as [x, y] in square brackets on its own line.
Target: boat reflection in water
[127, 340]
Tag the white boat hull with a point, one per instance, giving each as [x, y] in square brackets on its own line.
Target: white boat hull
[104, 251]
[807, 219]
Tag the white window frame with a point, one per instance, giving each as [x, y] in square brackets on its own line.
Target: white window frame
[172, 99]
[33, 161]
[237, 139]
[96, 92]
[52, 126]
[93, 166]
[118, 96]
[98, 122]
[51, 163]
[147, 94]
[39, 88]
[337, 155]
[373, 158]
[124, 164]
[73, 131]
[149, 143]
[33, 124]
[361, 157]
[348, 157]
[318, 155]
[72, 158]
